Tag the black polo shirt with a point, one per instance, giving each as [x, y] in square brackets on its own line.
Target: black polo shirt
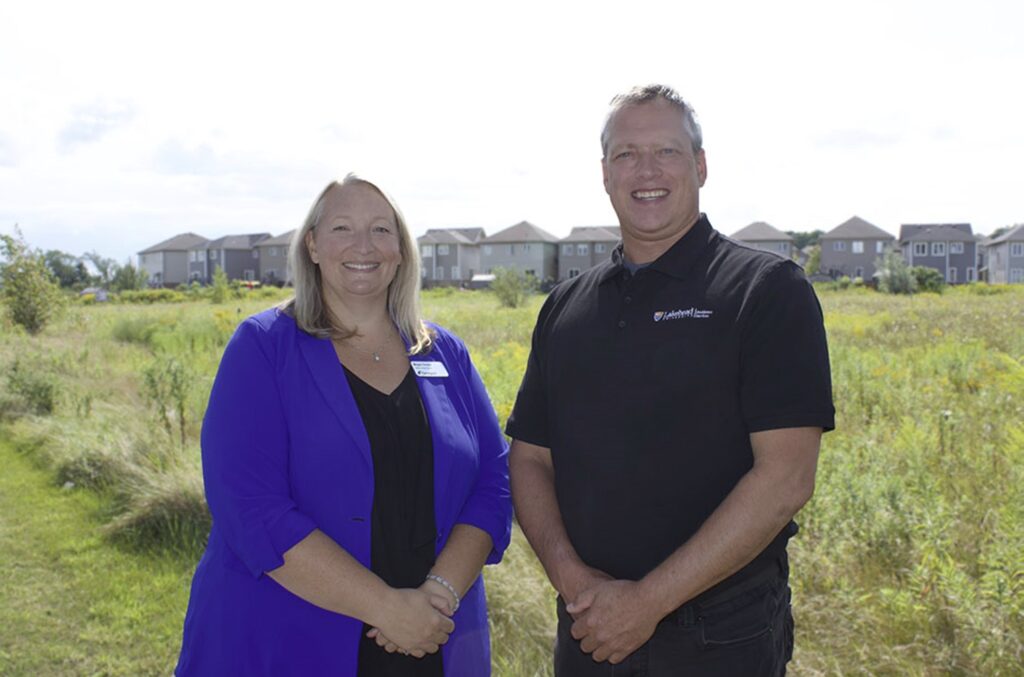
[646, 388]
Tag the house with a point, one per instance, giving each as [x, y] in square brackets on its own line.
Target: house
[273, 259]
[584, 248]
[765, 236]
[852, 247]
[449, 256]
[167, 263]
[236, 254]
[1005, 256]
[949, 248]
[523, 247]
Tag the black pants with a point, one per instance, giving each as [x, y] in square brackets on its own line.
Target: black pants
[745, 631]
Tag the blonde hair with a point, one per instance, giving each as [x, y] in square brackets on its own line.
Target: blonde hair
[308, 307]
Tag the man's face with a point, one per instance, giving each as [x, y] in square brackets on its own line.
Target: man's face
[651, 173]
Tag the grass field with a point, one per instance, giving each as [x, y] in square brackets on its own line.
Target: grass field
[909, 559]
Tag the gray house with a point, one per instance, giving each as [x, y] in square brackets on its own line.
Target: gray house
[166, 263]
[949, 248]
[273, 259]
[767, 237]
[449, 256]
[852, 247]
[584, 248]
[236, 254]
[1005, 255]
[523, 247]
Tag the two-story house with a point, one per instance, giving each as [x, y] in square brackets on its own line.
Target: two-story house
[523, 247]
[449, 256]
[273, 259]
[767, 237]
[584, 248]
[1005, 257]
[236, 254]
[166, 263]
[949, 248]
[852, 247]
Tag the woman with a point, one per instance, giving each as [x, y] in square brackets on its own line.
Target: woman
[354, 468]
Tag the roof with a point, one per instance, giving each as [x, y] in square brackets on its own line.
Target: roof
[1015, 234]
[936, 232]
[759, 231]
[593, 234]
[234, 241]
[178, 243]
[524, 231]
[465, 236]
[282, 240]
[856, 227]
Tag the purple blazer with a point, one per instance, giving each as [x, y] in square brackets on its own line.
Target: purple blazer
[285, 451]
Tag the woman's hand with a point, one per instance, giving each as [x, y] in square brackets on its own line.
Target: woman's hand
[413, 621]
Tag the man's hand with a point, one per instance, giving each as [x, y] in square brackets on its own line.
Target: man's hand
[574, 580]
[613, 619]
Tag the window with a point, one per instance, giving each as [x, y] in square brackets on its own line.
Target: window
[858, 247]
[488, 250]
[599, 248]
[972, 274]
[526, 247]
[879, 247]
[858, 272]
[249, 275]
[439, 273]
[273, 251]
[567, 249]
[1016, 274]
[956, 247]
[255, 253]
[938, 248]
[951, 275]
[783, 247]
[839, 246]
[1017, 249]
[920, 249]
[573, 272]
[213, 254]
[455, 272]
[582, 249]
[442, 250]
[427, 251]
[192, 256]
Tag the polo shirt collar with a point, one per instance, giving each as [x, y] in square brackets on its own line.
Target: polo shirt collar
[679, 258]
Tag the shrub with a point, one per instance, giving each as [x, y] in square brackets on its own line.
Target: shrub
[167, 384]
[512, 287]
[135, 329]
[27, 287]
[36, 388]
[894, 276]
[221, 288]
[149, 296]
[928, 279]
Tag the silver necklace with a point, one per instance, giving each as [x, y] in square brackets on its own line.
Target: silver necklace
[375, 354]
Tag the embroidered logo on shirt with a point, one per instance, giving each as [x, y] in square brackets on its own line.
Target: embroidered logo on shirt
[681, 314]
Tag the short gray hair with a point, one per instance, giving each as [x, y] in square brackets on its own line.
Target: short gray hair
[647, 94]
[308, 308]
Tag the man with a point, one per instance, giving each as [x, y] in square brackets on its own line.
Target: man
[668, 425]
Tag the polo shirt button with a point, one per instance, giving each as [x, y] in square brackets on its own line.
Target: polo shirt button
[628, 299]
[622, 324]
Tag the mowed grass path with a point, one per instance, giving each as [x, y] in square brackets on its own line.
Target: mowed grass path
[70, 603]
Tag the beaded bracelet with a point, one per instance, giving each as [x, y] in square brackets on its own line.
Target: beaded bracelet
[451, 588]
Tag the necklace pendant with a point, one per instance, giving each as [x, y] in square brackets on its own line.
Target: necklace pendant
[376, 357]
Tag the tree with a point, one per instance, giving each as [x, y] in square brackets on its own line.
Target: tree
[105, 268]
[128, 277]
[29, 290]
[68, 269]
[928, 279]
[512, 287]
[220, 286]
[801, 240]
[894, 276]
[814, 260]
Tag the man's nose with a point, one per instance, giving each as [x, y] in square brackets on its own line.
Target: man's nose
[647, 165]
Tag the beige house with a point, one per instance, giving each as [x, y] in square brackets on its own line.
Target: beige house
[584, 248]
[166, 263]
[523, 247]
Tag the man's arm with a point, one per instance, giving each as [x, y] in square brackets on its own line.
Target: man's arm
[616, 617]
[533, 494]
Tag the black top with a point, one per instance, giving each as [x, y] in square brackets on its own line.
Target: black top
[646, 388]
[402, 526]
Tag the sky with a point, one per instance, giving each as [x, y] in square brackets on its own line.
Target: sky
[123, 124]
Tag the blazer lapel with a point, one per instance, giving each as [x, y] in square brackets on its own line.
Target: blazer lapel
[443, 421]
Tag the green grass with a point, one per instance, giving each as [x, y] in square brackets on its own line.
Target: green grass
[909, 559]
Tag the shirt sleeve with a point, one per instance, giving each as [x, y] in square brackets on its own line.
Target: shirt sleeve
[785, 379]
[489, 506]
[528, 420]
[245, 456]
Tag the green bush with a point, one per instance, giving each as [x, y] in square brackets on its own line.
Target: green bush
[512, 287]
[149, 296]
[34, 386]
[135, 329]
[27, 287]
[928, 279]
[894, 276]
[221, 288]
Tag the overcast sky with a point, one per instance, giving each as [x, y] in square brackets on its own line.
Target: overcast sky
[122, 124]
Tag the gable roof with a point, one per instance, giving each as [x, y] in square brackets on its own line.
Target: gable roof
[179, 243]
[234, 241]
[1016, 234]
[936, 232]
[856, 227]
[593, 234]
[464, 236]
[759, 231]
[283, 239]
[524, 231]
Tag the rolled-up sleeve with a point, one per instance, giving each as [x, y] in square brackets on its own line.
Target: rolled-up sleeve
[245, 456]
[489, 506]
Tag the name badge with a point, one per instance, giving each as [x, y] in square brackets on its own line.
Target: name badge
[429, 369]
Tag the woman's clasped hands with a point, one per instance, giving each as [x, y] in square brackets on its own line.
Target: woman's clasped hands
[414, 621]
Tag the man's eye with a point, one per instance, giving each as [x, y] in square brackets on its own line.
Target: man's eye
[624, 155]
[667, 151]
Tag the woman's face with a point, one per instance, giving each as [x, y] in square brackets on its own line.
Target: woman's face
[355, 244]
